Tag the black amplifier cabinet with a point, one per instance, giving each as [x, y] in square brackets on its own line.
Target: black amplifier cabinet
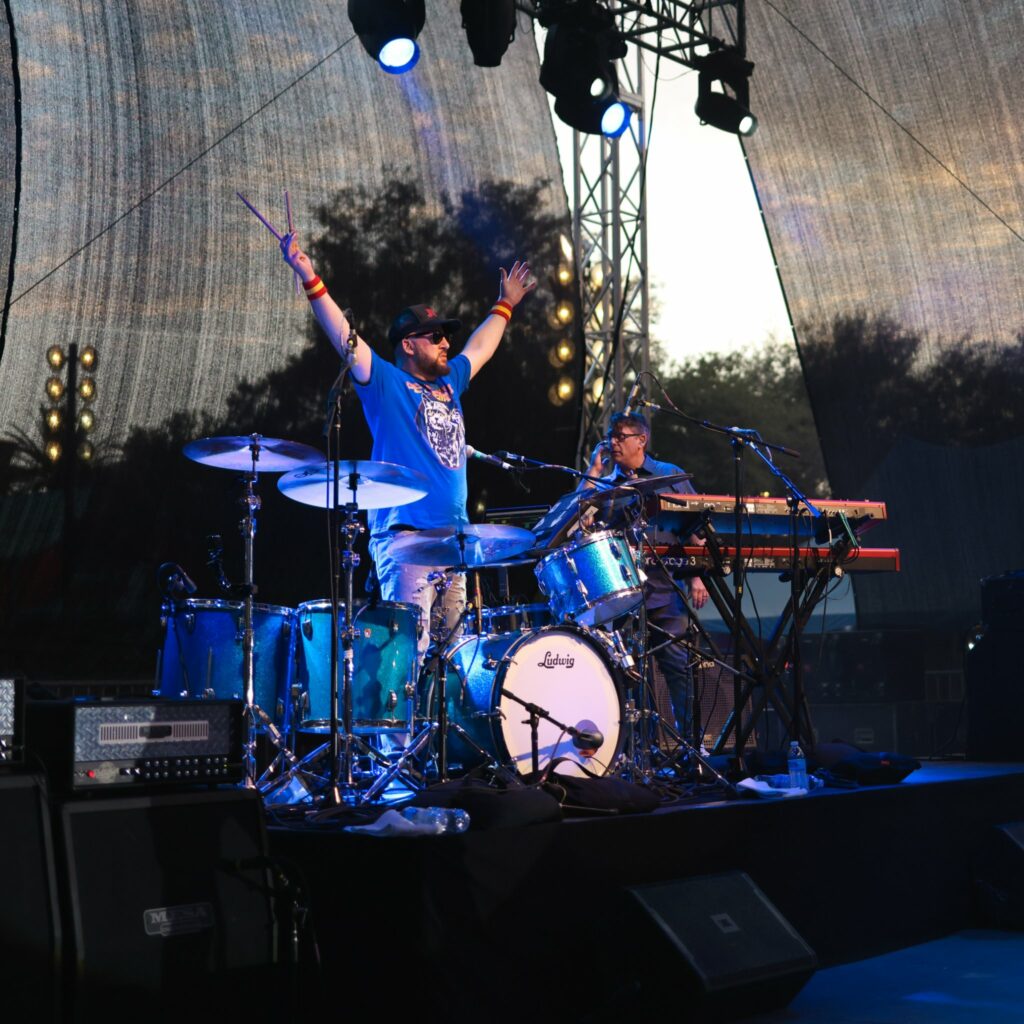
[89, 745]
[12, 693]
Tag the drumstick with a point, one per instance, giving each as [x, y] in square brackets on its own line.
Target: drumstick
[266, 223]
[291, 231]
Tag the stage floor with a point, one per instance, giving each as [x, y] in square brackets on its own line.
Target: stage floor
[857, 873]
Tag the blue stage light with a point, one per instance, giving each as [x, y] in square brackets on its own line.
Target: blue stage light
[615, 119]
[397, 56]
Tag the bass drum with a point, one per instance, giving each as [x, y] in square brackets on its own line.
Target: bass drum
[202, 653]
[565, 670]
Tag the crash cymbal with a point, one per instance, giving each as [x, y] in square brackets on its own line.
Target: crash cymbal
[368, 484]
[639, 485]
[274, 455]
[467, 545]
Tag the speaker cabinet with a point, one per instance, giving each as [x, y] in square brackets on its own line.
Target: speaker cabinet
[168, 902]
[995, 695]
[999, 878]
[29, 918]
[716, 946]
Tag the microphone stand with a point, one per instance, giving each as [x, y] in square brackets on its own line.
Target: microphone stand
[536, 714]
[740, 439]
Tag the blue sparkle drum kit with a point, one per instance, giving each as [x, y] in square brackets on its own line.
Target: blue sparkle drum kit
[520, 685]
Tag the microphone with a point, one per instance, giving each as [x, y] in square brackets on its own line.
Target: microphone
[631, 398]
[644, 404]
[353, 336]
[472, 453]
[587, 739]
[174, 582]
[510, 456]
[214, 559]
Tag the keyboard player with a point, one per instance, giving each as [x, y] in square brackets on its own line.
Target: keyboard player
[622, 457]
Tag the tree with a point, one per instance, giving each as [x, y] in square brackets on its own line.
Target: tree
[759, 388]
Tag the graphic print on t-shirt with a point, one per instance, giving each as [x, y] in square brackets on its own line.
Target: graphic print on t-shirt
[440, 421]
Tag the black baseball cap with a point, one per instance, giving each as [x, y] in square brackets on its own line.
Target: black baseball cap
[419, 320]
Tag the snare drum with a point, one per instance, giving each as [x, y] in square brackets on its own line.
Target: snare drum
[563, 669]
[203, 657]
[384, 666]
[592, 580]
[515, 618]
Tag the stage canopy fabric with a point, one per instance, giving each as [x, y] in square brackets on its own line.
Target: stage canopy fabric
[888, 163]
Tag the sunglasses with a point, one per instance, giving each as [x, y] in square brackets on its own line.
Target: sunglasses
[434, 337]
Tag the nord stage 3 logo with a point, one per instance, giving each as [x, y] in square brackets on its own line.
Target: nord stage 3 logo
[181, 920]
[556, 661]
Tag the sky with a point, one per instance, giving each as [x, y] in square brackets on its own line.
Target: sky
[704, 230]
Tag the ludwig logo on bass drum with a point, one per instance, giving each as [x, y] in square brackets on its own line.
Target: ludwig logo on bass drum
[556, 661]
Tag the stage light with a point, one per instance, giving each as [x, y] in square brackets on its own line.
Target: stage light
[578, 70]
[724, 113]
[55, 388]
[490, 26]
[615, 119]
[54, 419]
[565, 350]
[87, 357]
[566, 388]
[564, 312]
[86, 451]
[55, 356]
[388, 30]
[728, 113]
[87, 420]
[87, 389]
[564, 275]
[53, 450]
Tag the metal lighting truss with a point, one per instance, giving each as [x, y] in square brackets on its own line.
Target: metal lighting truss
[609, 197]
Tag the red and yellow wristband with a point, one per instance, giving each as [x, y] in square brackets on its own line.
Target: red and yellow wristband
[315, 289]
[503, 308]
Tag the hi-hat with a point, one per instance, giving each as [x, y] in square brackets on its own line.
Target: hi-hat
[469, 545]
[367, 484]
[273, 455]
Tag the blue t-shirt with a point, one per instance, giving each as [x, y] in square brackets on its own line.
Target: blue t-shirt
[418, 424]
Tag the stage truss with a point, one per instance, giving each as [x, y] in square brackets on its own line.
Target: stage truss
[609, 212]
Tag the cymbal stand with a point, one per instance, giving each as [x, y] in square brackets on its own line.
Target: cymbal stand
[251, 503]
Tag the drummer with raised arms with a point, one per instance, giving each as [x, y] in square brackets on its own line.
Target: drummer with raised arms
[414, 412]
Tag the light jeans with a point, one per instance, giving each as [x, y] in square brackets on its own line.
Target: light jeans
[409, 584]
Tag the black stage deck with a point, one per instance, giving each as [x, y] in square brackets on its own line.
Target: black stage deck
[475, 923]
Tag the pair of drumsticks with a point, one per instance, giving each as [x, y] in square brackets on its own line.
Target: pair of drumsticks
[270, 227]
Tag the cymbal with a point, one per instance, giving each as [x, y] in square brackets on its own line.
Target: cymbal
[641, 485]
[274, 454]
[470, 545]
[377, 484]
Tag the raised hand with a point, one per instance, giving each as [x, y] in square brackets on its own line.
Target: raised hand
[515, 283]
[296, 258]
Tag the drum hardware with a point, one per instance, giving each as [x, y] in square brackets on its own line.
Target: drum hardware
[249, 455]
[368, 485]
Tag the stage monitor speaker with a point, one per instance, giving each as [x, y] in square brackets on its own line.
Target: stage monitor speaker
[717, 946]
[994, 677]
[169, 904]
[29, 917]
[999, 878]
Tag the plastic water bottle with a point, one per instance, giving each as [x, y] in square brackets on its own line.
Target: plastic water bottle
[439, 819]
[797, 767]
